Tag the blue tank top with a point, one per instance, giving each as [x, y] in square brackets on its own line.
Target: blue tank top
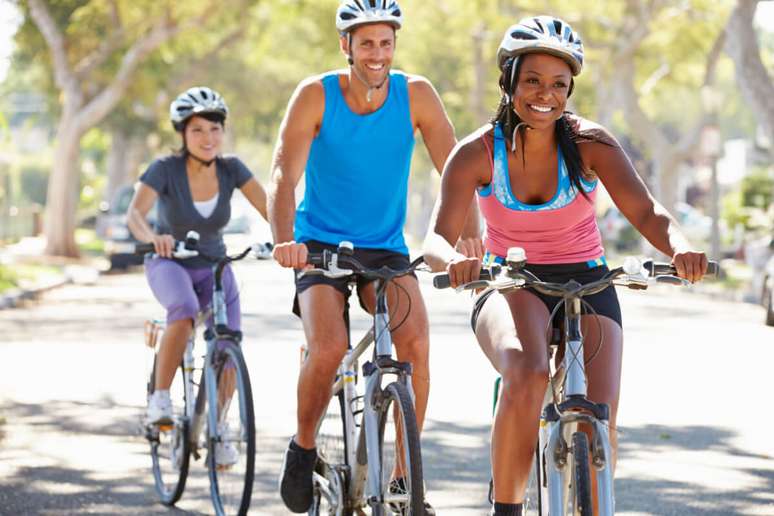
[357, 172]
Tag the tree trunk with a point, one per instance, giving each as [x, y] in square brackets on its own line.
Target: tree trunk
[754, 81]
[63, 189]
[124, 157]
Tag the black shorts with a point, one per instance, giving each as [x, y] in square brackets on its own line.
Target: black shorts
[371, 258]
[603, 303]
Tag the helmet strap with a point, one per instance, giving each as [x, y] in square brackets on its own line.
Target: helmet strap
[351, 61]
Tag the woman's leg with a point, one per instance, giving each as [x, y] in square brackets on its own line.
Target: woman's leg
[173, 288]
[511, 331]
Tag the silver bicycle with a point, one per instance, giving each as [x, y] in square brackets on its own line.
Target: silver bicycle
[212, 408]
[560, 478]
[368, 442]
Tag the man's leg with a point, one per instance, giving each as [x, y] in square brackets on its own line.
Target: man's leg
[322, 311]
[411, 334]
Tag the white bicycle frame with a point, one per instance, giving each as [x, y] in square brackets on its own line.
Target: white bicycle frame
[556, 431]
[364, 459]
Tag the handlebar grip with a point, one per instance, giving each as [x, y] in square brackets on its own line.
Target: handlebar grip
[442, 280]
[660, 269]
[144, 248]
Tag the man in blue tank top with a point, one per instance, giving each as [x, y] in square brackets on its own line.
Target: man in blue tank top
[352, 132]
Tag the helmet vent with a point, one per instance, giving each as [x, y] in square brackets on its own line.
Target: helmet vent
[558, 26]
[347, 16]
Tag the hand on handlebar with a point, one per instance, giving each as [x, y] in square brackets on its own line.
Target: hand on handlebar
[690, 265]
[163, 245]
[291, 254]
[470, 247]
[463, 269]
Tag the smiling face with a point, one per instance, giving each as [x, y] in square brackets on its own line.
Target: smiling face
[203, 138]
[542, 88]
[372, 49]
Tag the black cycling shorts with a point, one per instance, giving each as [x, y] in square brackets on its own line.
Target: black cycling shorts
[603, 303]
[370, 258]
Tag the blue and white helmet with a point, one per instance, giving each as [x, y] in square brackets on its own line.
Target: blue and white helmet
[542, 34]
[353, 13]
[194, 101]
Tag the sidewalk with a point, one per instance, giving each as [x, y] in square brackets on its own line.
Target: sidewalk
[30, 250]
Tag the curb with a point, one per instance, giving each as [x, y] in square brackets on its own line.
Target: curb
[15, 296]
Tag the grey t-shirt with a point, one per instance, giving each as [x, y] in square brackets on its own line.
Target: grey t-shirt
[177, 214]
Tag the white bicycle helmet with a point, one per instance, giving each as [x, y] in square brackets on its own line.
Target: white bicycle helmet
[194, 101]
[542, 34]
[353, 13]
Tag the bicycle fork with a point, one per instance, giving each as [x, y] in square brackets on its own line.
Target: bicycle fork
[559, 422]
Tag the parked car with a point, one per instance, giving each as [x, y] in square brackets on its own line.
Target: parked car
[246, 227]
[119, 241]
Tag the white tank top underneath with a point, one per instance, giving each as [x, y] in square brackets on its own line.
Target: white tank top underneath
[205, 208]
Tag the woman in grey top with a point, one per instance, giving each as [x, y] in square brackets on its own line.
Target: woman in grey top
[193, 188]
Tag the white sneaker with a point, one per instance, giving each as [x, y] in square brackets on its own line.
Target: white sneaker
[226, 454]
[159, 409]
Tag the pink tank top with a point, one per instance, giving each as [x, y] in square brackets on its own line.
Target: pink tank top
[562, 230]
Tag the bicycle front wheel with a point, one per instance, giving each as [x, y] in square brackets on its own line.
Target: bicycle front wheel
[231, 445]
[532, 497]
[402, 486]
[581, 475]
[169, 444]
[329, 496]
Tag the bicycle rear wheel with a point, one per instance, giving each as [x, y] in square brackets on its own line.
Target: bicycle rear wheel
[581, 475]
[231, 446]
[402, 485]
[169, 444]
[329, 482]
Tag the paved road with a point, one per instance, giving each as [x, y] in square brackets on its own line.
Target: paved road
[695, 419]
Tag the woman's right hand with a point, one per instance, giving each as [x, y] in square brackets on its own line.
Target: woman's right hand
[290, 254]
[163, 245]
[463, 269]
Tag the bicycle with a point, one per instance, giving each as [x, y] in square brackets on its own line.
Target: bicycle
[560, 477]
[361, 434]
[223, 390]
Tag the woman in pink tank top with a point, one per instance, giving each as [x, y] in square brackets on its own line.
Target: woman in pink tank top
[535, 170]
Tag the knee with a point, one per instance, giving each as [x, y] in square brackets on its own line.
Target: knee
[525, 380]
[326, 352]
[186, 308]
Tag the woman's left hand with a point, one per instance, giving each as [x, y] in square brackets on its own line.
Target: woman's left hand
[691, 265]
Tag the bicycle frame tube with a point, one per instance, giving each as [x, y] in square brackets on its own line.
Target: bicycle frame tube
[382, 323]
[575, 379]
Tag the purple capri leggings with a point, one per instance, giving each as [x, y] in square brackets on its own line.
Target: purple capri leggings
[185, 292]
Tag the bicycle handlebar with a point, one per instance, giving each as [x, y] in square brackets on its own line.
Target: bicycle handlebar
[341, 263]
[189, 248]
[635, 275]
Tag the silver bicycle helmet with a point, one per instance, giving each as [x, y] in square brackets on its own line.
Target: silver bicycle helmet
[196, 100]
[542, 34]
[353, 13]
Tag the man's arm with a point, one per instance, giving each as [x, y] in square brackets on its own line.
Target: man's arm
[430, 117]
[299, 127]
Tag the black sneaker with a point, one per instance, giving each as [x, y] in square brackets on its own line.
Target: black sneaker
[295, 482]
[398, 485]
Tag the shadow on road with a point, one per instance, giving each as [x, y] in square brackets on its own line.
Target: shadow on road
[667, 496]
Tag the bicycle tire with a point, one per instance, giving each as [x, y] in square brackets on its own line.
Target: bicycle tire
[170, 446]
[581, 475]
[332, 448]
[406, 498]
[532, 496]
[231, 485]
